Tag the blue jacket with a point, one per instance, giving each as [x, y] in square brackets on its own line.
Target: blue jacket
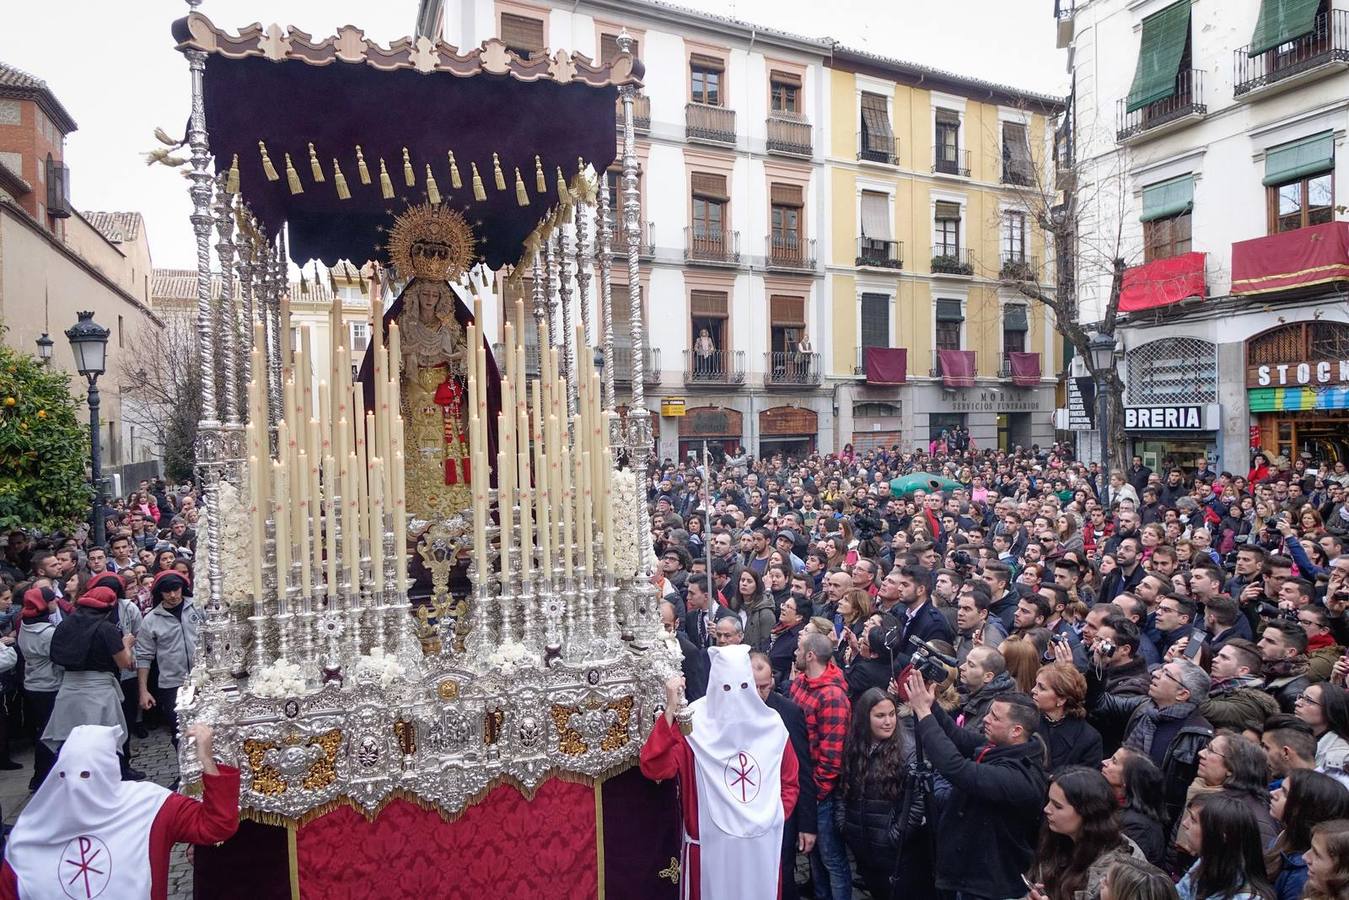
[1292, 877]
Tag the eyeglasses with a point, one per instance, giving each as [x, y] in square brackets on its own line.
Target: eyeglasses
[1167, 674]
[1304, 697]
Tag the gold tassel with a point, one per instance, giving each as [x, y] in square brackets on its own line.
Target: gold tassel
[409, 176]
[343, 192]
[432, 189]
[268, 169]
[479, 193]
[314, 164]
[562, 193]
[361, 167]
[540, 179]
[293, 177]
[496, 171]
[232, 179]
[521, 195]
[385, 185]
[455, 181]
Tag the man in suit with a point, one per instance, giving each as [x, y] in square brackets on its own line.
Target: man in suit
[917, 616]
[695, 671]
[701, 619]
[798, 832]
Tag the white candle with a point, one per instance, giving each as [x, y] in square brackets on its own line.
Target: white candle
[281, 524]
[330, 518]
[259, 517]
[377, 522]
[302, 536]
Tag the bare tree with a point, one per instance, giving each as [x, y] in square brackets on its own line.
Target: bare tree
[160, 380]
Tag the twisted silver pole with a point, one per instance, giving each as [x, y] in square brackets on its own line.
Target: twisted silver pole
[585, 253]
[228, 318]
[566, 266]
[606, 297]
[199, 178]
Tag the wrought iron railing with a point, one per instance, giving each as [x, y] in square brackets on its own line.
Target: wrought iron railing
[950, 259]
[880, 254]
[789, 135]
[715, 367]
[947, 160]
[711, 246]
[1019, 267]
[623, 365]
[1187, 100]
[714, 124]
[646, 245]
[791, 368]
[936, 370]
[790, 252]
[1327, 42]
[881, 148]
[641, 114]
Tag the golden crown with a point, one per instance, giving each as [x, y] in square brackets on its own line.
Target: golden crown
[431, 242]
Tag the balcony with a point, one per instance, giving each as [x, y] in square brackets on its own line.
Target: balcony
[878, 254]
[720, 367]
[1019, 267]
[956, 368]
[1300, 262]
[1022, 368]
[641, 114]
[1323, 50]
[883, 365]
[789, 135]
[623, 358]
[790, 253]
[646, 245]
[950, 161]
[1163, 282]
[718, 248]
[1063, 13]
[877, 148]
[951, 260]
[1018, 173]
[1184, 106]
[709, 124]
[791, 369]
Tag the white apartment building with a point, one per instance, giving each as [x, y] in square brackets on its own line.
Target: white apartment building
[1210, 134]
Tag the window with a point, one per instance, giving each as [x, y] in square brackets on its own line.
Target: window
[709, 208]
[1300, 180]
[1014, 236]
[121, 342]
[1014, 327]
[616, 198]
[785, 212]
[1016, 164]
[948, 142]
[1174, 370]
[784, 92]
[1163, 52]
[875, 320]
[1166, 218]
[949, 322]
[787, 322]
[609, 48]
[878, 141]
[522, 34]
[946, 229]
[360, 336]
[708, 324]
[705, 74]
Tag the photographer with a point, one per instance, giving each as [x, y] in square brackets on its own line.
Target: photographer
[984, 679]
[998, 782]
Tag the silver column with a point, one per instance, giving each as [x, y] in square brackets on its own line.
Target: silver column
[228, 319]
[606, 296]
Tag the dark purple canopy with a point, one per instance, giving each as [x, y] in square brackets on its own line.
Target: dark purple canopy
[289, 104]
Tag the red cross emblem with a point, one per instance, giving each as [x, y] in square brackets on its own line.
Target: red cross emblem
[742, 777]
[86, 867]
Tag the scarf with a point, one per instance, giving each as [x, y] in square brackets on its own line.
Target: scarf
[1285, 668]
[1320, 642]
[1140, 738]
[1236, 683]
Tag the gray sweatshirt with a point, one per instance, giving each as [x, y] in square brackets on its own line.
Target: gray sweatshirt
[39, 672]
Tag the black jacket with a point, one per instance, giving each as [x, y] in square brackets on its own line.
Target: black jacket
[928, 624]
[976, 705]
[1117, 583]
[695, 672]
[694, 624]
[1147, 833]
[1127, 681]
[1071, 742]
[805, 814]
[1286, 689]
[992, 815]
[866, 673]
[782, 652]
[872, 826]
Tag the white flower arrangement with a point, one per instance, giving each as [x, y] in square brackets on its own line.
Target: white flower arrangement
[278, 681]
[671, 642]
[236, 543]
[509, 657]
[377, 666]
[627, 529]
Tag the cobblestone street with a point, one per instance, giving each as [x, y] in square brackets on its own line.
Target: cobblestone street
[154, 756]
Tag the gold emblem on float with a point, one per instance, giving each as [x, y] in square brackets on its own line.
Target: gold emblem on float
[431, 242]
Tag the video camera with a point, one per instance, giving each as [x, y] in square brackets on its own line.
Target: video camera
[1273, 611]
[930, 662]
[963, 563]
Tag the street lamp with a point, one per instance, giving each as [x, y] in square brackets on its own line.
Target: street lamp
[89, 343]
[44, 348]
[1102, 350]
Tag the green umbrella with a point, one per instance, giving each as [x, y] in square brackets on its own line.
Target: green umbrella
[922, 481]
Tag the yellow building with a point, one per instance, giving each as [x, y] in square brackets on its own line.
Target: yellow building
[931, 184]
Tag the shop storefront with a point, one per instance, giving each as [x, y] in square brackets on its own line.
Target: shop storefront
[788, 430]
[877, 425]
[1297, 381]
[714, 424]
[1173, 436]
[1001, 417]
[1171, 413]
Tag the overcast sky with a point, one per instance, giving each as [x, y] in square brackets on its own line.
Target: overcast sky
[114, 68]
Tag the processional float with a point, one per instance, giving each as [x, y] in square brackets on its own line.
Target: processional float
[364, 684]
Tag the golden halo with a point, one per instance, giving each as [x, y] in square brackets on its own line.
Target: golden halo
[431, 242]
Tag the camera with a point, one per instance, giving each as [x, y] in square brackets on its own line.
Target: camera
[930, 662]
[962, 562]
[1272, 524]
[1106, 648]
[1273, 611]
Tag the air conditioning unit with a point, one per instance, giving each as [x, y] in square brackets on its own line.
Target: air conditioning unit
[58, 189]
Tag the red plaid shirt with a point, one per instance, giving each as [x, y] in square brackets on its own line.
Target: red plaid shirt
[824, 700]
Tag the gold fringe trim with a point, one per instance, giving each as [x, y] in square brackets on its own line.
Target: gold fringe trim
[540, 179]
[455, 181]
[293, 862]
[409, 177]
[599, 839]
[263, 817]
[232, 179]
[385, 185]
[343, 192]
[314, 166]
[479, 193]
[496, 173]
[268, 169]
[293, 177]
[361, 168]
[563, 194]
[432, 189]
[521, 195]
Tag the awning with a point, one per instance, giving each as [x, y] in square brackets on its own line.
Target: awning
[1164, 37]
[1025, 369]
[1281, 21]
[885, 365]
[1163, 282]
[957, 367]
[949, 311]
[1294, 399]
[1318, 254]
[1014, 318]
[876, 215]
[1168, 198]
[1300, 159]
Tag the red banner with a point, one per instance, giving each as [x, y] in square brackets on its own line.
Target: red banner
[957, 367]
[1025, 368]
[1293, 259]
[885, 365]
[1163, 282]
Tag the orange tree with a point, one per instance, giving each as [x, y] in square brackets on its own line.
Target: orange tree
[44, 448]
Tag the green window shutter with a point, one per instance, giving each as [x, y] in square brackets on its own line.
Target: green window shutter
[1281, 21]
[949, 311]
[1014, 318]
[1170, 198]
[1299, 159]
[1164, 37]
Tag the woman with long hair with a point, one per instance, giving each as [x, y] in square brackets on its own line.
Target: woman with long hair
[1130, 879]
[754, 605]
[1080, 839]
[876, 813]
[1238, 768]
[1325, 707]
[1303, 800]
[1023, 662]
[1060, 693]
[1222, 833]
[854, 608]
[1141, 795]
[1328, 861]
